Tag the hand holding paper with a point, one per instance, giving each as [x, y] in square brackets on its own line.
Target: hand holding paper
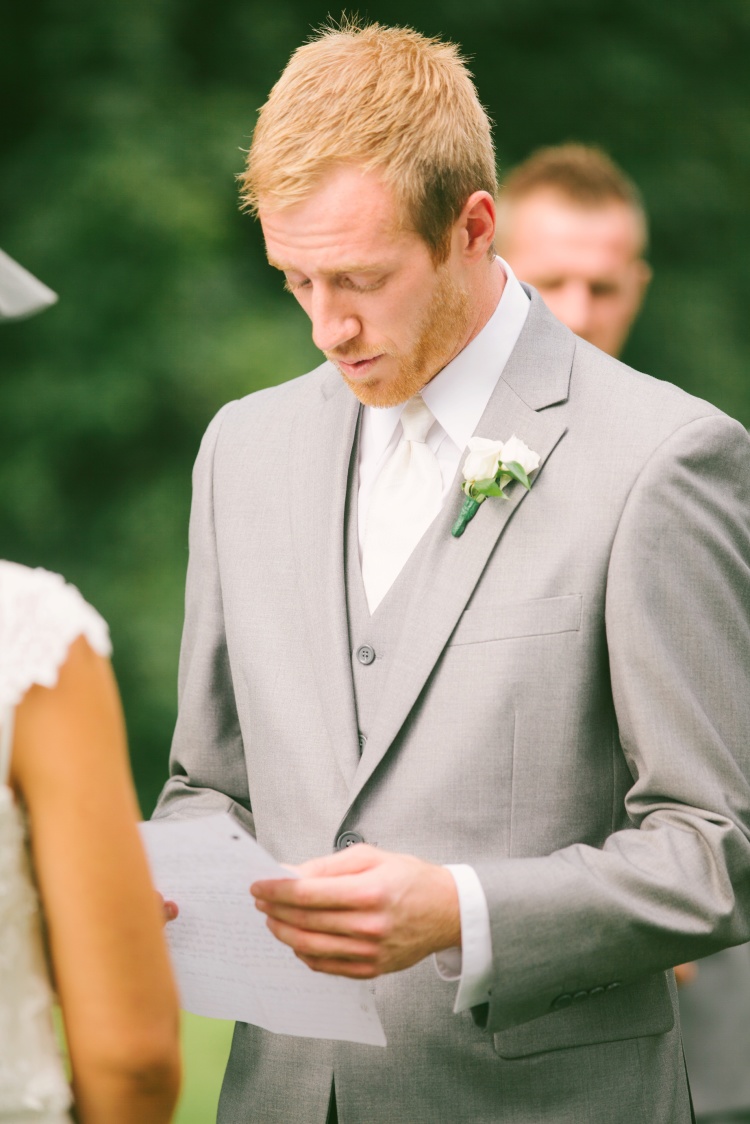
[362, 912]
[228, 964]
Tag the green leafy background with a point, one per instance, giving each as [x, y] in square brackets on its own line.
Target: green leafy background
[120, 137]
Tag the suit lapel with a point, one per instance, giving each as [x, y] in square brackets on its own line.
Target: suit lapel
[323, 436]
[536, 375]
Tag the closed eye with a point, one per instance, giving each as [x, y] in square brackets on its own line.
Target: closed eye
[353, 284]
[361, 284]
[292, 284]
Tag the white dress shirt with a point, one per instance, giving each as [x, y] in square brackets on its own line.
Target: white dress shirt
[457, 397]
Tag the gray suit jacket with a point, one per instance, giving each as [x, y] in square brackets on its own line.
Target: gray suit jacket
[567, 708]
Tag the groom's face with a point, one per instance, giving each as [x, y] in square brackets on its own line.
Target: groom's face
[381, 310]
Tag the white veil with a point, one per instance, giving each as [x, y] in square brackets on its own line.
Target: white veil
[20, 292]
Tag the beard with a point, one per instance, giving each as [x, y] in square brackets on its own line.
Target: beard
[444, 327]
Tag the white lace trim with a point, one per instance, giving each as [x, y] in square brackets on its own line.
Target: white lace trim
[40, 617]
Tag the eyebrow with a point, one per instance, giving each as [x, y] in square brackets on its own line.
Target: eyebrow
[353, 267]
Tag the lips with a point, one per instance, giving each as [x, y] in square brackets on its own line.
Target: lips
[356, 368]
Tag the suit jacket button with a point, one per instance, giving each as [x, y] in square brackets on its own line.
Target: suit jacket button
[365, 654]
[362, 741]
[596, 991]
[614, 985]
[561, 1002]
[348, 839]
[579, 995]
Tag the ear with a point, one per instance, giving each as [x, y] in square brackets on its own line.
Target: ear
[645, 273]
[476, 226]
[643, 280]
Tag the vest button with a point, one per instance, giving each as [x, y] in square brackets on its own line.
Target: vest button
[362, 741]
[348, 839]
[365, 654]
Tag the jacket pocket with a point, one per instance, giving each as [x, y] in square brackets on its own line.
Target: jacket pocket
[540, 617]
[640, 1009]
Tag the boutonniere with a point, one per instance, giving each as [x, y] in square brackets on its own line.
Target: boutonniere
[488, 469]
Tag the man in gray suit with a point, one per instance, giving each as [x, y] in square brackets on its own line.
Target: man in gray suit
[511, 764]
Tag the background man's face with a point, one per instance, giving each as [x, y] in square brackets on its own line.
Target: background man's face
[380, 309]
[585, 262]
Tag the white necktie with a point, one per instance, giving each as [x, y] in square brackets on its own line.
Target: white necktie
[406, 497]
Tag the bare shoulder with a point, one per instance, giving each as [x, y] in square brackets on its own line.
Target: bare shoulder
[83, 670]
[41, 616]
[70, 732]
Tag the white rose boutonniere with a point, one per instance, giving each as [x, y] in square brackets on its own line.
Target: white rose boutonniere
[489, 467]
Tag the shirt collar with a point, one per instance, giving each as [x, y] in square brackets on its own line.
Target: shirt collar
[459, 394]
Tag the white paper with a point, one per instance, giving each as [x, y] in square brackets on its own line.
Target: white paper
[228, 965]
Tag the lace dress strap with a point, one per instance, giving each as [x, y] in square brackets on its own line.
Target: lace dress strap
[40, 617]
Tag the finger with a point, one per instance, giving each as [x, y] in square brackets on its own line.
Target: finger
[367, 926]
[358, 857]
[354, 860]
[272, 889]
[170, 910]
[323, 946]
[348, 892]
[352, 969]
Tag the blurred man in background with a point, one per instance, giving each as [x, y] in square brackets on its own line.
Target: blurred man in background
[573, 225]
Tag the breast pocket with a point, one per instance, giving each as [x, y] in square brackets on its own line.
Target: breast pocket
[541, 617]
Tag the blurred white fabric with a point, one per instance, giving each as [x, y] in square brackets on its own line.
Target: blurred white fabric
[21, 294]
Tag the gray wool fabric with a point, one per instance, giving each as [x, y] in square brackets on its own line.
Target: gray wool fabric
[559, 698]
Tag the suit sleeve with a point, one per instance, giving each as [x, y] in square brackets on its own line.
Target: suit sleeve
[676, 885]
[207, 762]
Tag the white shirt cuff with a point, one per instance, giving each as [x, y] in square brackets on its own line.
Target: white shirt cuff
[471, 964]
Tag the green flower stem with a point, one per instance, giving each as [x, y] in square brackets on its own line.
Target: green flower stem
[469, 508]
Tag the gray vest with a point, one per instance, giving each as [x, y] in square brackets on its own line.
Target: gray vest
[372, 638]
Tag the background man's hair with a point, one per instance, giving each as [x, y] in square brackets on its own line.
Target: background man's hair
[582, 174]
[385, 99]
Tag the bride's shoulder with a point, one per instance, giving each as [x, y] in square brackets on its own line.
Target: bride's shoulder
[40, 616]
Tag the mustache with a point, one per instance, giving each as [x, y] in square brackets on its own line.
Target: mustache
[352, 354]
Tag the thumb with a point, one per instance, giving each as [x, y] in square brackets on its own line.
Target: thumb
[353, 860]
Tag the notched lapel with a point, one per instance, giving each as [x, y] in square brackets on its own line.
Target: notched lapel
[322, 437]
[452, 567]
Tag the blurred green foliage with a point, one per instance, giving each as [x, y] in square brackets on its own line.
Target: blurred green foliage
[120, 136]
[205, 1050]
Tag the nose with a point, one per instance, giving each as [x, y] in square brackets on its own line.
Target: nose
[333, 323]
[574, 307]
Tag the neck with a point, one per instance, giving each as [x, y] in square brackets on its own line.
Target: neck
[485, 298]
